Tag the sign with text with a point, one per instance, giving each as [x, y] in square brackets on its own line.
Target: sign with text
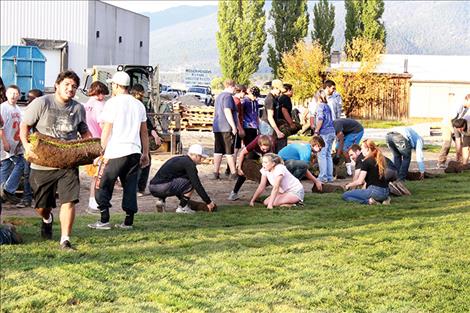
[197, 77]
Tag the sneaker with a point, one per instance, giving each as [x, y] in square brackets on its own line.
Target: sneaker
[24, 204]
[394, 189]
[387, 201]
[66, 246]
[46, 229]
[99, 225]
[9, 197]
[124, 226]
[401, 186]
[233, 196]
[372, 201]
[185, 210]
[160, 205]
[216, 176]
[93, 211]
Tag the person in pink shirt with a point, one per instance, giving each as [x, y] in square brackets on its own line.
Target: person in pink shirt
[97, 92]
[287, 190]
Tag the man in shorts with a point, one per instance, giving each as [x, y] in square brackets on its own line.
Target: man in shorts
[59, 116]
[462, 136]
[178, 177]
[225, 128]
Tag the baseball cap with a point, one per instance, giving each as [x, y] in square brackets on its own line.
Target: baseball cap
[197, 149]
[120, 78]
[277, 83]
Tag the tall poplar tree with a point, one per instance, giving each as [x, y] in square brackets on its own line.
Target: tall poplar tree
[240, 38]
[364, 19]
[323, 25]
[290, 25]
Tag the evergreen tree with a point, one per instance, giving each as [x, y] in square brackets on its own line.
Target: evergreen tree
[364, 19]
[290, 25]
[240, 38]
[323, 25]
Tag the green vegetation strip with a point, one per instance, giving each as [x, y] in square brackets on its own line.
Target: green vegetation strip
[34, 139]
[328, 256]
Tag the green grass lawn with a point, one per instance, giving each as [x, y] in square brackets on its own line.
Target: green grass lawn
[328, 256]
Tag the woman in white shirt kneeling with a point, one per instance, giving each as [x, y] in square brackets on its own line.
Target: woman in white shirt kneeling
[287, 190]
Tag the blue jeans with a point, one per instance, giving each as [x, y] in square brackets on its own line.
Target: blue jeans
[350, 139]
[12, 170]
[298, 168]
[401, 149]
[325, 161]
[363, 195]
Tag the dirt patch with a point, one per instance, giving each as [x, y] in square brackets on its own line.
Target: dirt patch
[218, 190]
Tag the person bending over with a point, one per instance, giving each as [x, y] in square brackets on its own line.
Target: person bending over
[373, 174]
[287, 190]
[178, 177]
[297, 158]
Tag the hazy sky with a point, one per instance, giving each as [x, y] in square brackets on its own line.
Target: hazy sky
[154, 6]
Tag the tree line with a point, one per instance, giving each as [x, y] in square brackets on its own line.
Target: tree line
[242, 34]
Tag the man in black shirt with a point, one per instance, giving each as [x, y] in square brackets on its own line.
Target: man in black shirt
[178, 177]
[268, 122]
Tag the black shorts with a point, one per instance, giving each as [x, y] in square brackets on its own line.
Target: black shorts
[223, 143]
[238, 141]
[45, 184]
[176, 187]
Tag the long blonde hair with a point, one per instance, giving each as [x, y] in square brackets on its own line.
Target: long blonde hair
[274, 158]
[374, 152]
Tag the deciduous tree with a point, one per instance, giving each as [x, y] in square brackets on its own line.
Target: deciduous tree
[323, 25]
[240, 38]
[290, 24]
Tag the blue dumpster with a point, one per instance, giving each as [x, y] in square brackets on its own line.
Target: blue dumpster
[25, 67]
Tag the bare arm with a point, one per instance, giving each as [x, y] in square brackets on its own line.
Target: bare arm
[340, 137]
[273, 124]
[144, 140]
[86, 135]
[318, 126]
[105, 134]
[315, 181]
[24, 131]
[359, 181]
[259, 190]
[241, 158]
[6, 145]
[229, 117]
[275, 190]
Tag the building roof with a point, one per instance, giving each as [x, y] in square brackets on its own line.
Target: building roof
[423, 68]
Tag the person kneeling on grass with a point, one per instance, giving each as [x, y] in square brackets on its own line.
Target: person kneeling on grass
[287, 190]
[373, 174]
[178, 177]
[297, 158]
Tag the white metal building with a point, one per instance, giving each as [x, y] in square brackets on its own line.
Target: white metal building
[76, 34]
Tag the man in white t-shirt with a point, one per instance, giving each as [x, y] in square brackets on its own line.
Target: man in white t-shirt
[125, 141]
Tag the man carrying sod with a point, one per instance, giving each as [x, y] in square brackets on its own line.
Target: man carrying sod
[61, 117]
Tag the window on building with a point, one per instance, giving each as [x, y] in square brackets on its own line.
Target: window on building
[97, 34]
[120, 39]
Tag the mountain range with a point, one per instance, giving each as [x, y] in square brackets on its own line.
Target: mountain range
[184, 36]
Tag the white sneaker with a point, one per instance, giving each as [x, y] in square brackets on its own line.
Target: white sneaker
[233, 196]
[99, 225]
[186, 210]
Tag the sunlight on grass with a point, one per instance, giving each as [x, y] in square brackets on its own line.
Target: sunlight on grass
[328, 256]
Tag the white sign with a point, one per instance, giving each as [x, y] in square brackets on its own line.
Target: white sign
[197, 77]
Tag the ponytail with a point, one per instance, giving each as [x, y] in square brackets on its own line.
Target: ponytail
[374, 152]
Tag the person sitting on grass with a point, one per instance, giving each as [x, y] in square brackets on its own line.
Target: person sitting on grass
[287, 190]
[373, 174]
[261, 145]
[297, 158]
[178, 177]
